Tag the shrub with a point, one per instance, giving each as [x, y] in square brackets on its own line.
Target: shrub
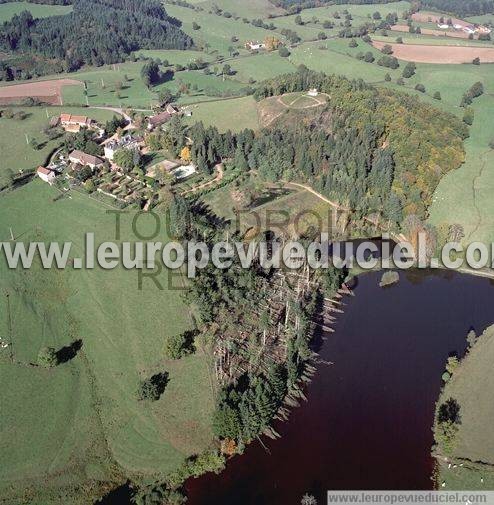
[353, 43]
[387, 49]
[369, 57]
[399, 40]
[420, 87]
[283, 52]
[437, 96]
[387, 78]
[178, 346]
[47, 357]
[476, 61]
[152, 388]
[409, 70]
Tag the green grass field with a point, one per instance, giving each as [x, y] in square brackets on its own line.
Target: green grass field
[81, 422]
[260, 66]
[251, 9]
[102, 86]
[9, 10]
[471, 387]
[235, 114]
[16, 153]
[217, 31]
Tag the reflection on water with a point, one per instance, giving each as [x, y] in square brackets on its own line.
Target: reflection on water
[367, 422]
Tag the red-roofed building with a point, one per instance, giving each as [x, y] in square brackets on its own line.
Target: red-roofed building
[46, 174]
[158, 120]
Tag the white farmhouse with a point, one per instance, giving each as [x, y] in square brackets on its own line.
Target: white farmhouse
[46, 175]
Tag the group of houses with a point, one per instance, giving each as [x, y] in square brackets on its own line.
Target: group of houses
[467, 28]
[77, 159]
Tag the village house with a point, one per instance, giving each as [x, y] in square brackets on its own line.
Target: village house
[172, 109]
[126, 142]
[73, 123]
[254, 46]
[313, 92]
[158, 120]
[85, 159]
[46, 175]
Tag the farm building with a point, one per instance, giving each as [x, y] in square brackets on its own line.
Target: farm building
[74, 123]
[85, 159]
[158, 120]
[172, 109]
[126, 142]
[46, 175]
[443, 26]
[313, 92]
[254, 46]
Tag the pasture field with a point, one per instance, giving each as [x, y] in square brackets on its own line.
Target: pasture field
[260, 66]
[10, 9]
[102, 86]
[251, 9]
[231, 114]
[175, 56]
[471, 386]
[336, 57]
[16, 153]
[217, 31]
[95, 429]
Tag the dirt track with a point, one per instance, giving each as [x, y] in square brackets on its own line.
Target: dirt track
[47, 91]
[439, 54]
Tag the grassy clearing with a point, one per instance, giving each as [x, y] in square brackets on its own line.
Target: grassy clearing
[336, 57]
[16, 153]
[174, 56]
[251, 9]
[471, 387]
[9, 10]
[123, 336]
[217, 31]
[272, 207]
[102, 86]
[260, 67]
[235, 114]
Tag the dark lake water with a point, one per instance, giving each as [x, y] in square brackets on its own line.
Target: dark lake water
[367, 422]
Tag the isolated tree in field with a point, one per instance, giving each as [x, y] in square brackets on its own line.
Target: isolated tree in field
[369, 57]
[409, 70]
[178, 346]
[165, 96]
[284, 52]
[399, 40]
[152, 388]
[327, 25]
[150, 73]
[420, 87]
[322, 36]
[476, 61]
[387, 78]
[47, 357]
[195, 26]
[437, 96]
[376, 15]
[298, 20]
[353, 43]
[387, 49]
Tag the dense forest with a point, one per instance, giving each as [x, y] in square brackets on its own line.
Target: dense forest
[97, 32]
[375, 151]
